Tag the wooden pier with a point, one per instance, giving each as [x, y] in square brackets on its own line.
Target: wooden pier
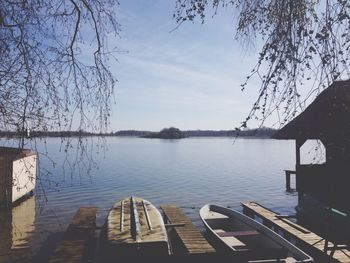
[77, 245]
[187, 243]
[308, 241]
[186, 238]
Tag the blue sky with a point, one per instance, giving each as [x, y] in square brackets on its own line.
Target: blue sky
[188, 78]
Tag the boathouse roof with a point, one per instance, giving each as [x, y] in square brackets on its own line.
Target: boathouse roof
[327, 117]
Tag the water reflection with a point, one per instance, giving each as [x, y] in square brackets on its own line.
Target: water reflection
[189, 173]
[16, 227]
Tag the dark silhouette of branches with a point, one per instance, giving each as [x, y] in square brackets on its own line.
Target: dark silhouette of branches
[54, 71]
[54, 75]
[305, 48]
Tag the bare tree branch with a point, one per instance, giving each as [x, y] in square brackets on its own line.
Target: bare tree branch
[305, 48]
[49, 78]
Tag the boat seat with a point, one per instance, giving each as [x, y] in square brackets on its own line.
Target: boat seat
[231, 240]
[215, 215]
[238, 233]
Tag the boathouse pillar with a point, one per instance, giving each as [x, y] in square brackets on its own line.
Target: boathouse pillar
[298, 144]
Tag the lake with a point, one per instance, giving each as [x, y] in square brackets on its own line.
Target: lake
[189, 172]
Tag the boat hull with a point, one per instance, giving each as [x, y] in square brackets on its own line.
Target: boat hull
[134, 228]
[240, 234]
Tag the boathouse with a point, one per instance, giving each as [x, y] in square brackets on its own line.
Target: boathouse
[18, 169]
[323, 188]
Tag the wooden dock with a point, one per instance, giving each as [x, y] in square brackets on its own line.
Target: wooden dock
[184, 233]
[186, 241]
[77, 245]
[305, 239]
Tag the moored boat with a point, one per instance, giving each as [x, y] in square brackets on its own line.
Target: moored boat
[134, 228]
[240, 234]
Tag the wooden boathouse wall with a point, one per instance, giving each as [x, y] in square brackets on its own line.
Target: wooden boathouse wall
[6, 159]
[17, 174]
[326, 119]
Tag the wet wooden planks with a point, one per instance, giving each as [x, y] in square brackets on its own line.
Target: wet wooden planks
[77, 244]
[192, 240]
[303, 237]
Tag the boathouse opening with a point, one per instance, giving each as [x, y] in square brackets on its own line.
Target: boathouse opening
[312, 152]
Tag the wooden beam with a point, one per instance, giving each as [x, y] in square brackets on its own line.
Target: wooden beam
[298, 144]
[288, 174]
[307, 240]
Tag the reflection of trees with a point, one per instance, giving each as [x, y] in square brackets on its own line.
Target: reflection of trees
[75, 162]
[60, 160]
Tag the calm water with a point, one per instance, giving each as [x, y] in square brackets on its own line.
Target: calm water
[188, 172]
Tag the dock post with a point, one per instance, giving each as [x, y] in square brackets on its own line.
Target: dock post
[267, 223]
[288, 173]
[288, 181]
[248, 212]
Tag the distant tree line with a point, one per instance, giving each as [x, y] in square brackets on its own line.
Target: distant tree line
[260, 132]
[12, 134]
[166, 133]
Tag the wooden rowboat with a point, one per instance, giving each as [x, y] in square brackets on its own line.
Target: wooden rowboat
[134, 228]
[240, 234]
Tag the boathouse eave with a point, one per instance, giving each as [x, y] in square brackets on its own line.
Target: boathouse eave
[327, 118]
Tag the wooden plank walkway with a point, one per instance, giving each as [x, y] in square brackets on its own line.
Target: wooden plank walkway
[77, 244]
[191, 239]
[307, 240]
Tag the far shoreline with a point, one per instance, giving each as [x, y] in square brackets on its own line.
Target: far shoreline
[260, 133]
